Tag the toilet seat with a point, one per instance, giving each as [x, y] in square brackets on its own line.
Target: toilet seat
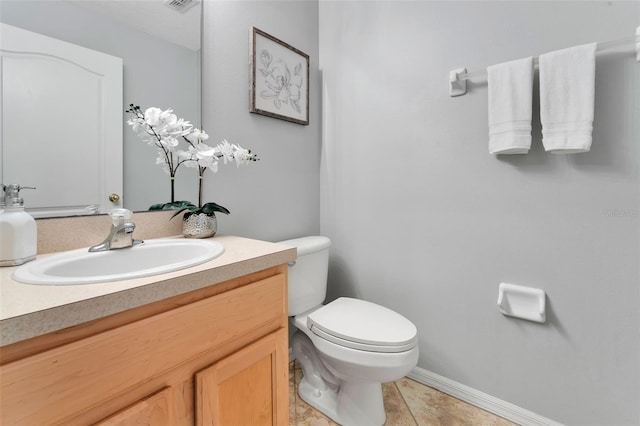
[362, 325]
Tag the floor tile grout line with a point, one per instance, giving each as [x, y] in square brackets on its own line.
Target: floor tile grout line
[405, 403]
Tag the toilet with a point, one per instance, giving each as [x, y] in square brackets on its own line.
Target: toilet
[346, 348]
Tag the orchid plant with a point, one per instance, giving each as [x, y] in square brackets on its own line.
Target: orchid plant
[166, 131]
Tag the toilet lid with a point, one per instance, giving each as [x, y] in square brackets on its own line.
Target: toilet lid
[363, 325]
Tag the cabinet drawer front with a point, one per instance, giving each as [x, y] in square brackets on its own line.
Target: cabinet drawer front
[57, 384]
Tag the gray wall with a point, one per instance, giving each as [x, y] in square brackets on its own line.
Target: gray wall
[277, 197]
[156, 73]
[426, 221]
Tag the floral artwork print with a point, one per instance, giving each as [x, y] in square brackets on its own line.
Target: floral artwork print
[279, 74]
[282, 86]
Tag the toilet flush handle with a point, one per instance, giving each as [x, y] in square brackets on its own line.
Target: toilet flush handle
[291, 263]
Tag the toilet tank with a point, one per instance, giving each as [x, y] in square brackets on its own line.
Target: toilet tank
[308, 274]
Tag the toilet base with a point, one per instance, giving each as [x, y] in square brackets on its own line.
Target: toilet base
[324, 401]
[349, 404]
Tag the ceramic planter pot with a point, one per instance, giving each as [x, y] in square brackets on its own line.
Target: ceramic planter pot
[199, 225]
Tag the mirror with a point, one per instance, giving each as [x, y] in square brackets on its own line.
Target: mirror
[160, 52]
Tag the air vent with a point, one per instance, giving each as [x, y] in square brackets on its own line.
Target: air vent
[181, 5]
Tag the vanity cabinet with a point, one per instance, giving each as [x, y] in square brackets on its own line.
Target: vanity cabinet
[214, 356]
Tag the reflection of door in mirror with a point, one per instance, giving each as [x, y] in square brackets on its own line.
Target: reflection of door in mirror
[46, 82]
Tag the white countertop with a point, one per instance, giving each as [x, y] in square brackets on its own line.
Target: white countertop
[31, 310]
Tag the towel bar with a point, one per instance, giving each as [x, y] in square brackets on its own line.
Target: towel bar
[459, 76]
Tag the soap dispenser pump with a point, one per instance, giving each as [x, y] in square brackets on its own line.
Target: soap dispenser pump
[18, 233]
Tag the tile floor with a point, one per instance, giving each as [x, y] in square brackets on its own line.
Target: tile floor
[406, 402]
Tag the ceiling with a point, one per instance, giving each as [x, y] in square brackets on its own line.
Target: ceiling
[152, 17]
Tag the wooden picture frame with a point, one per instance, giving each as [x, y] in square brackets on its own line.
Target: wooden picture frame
[279, 79]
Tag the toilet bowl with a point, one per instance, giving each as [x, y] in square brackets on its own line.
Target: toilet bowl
[346, 348]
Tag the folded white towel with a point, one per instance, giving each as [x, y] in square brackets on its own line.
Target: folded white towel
[638, 44]
[510, 99]
[567, 88]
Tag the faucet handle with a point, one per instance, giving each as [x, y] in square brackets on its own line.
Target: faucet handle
[119, 216]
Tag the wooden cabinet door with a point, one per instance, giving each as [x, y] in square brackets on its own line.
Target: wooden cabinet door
[154, 410]
[249, 387]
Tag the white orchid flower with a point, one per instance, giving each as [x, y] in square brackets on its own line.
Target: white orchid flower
[196, 136]
[204, 151]
[169, 143]
[191, 138]
[161, 118]
[206, 157]
[135, 123]
[152, 116]
[241, 155]
[208, 162]
[213, 167]
[186, 157]
[226, 150]
[162, 161]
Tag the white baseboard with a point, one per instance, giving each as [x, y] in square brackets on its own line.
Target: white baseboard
[480, 399]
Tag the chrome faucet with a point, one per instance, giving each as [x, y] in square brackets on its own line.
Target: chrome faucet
[121, 234]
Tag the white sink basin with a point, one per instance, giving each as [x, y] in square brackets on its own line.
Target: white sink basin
[154, 257]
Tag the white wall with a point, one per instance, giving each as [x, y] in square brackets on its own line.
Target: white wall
[277, 197]
[426, 221]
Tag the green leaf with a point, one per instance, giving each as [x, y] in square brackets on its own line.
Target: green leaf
[156, 207]
[213, 207]
[180, 206]
[174, 205]
[178, 212]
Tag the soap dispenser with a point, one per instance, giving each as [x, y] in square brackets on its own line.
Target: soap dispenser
[18, 234]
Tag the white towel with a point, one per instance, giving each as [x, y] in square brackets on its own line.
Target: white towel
[510, 105]
[567, 88]
[638, 44]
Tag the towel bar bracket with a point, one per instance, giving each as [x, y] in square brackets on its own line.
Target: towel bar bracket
[457, 87]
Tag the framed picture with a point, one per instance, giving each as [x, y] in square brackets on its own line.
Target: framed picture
[279, 79]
